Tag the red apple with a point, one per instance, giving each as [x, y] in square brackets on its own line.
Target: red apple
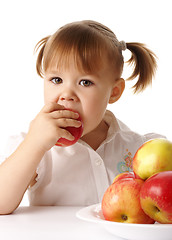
[152, 157]
[124, 175]
[76, 132]
[121, 202]
[156, 197]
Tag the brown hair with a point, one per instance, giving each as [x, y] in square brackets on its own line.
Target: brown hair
[90, 44]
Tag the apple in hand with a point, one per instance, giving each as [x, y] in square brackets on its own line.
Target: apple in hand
[156, 197]
[121, 202]
[152, 157]
[76, 132]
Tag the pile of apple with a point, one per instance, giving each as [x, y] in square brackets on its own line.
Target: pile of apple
[144, 195]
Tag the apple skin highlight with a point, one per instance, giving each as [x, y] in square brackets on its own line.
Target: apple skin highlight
[156, 197]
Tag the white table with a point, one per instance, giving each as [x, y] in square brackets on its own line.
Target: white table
[47, 223]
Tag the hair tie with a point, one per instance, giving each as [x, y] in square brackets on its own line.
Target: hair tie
[123, 45]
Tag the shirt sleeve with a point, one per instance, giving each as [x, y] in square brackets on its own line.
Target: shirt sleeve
[11, 145]
[41, 169]
[150, 136]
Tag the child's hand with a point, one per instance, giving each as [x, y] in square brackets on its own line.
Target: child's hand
[47, 127]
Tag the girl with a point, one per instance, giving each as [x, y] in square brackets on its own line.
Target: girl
[81, 65]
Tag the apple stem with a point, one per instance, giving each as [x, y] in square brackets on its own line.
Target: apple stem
[124, 217]
[157, 209]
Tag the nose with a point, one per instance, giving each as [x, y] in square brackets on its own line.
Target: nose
[68, 95]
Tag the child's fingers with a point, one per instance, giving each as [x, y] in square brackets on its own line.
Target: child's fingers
[52, 106]
[64, 114]
[67, 122]
[66, 134]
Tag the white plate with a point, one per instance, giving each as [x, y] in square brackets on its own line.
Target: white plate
[130, 231]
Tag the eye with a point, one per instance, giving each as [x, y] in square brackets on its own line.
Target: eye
[56, 80]
[85, 83]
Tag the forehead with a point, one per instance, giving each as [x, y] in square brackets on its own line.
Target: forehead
[86, 49]
[76, 68]
[91, 66]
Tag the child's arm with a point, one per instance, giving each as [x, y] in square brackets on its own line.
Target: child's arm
[18, 171]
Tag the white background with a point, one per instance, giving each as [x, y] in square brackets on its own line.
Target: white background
[24, 23]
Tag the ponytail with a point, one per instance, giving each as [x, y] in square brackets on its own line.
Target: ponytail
[144, 62]
[39, 63]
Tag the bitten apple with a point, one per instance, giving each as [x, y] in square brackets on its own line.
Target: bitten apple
[121, 202]
[76, 132]
[152, 157]
[156, 197]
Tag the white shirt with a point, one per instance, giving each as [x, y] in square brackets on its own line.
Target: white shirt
[79, 175]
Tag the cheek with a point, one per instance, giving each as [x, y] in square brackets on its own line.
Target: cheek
[49, 98]
[49, 94]
[46, 98]
[97, 102]
[46, 92]
[100, 101]
[94, 109]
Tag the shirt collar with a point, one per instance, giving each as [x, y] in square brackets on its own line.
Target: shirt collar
[115, 126]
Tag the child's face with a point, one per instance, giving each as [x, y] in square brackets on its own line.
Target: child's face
[86, 94]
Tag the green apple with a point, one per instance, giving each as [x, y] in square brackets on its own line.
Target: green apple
[152, 157]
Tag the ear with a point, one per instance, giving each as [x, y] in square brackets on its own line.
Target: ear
[117, 90]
